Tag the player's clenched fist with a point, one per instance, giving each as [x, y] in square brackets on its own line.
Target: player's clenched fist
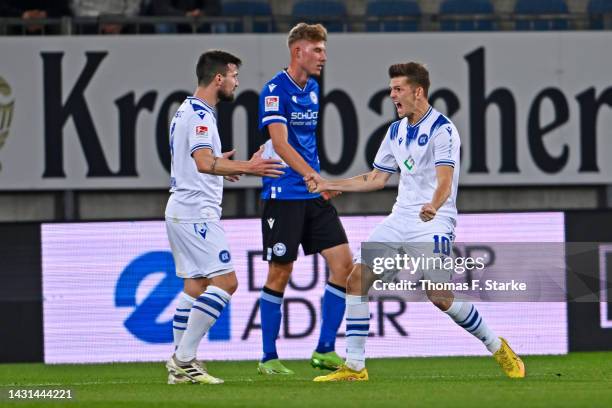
[428, 212]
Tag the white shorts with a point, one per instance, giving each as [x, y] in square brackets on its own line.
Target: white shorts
[408, 234]
[199, 250]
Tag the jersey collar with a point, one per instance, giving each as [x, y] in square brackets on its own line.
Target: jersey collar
[213, 110]
[420, 120]
[293, 82]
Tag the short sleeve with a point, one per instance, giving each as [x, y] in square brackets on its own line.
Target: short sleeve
[385, 160]
[201, 132]
[271, 105]
[446, 146]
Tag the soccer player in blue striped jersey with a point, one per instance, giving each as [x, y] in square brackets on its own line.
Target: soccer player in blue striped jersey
[288, 114]
[424, 147]
[200, 250]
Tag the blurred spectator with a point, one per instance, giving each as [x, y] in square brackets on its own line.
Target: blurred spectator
[101, 8]
[35, 9]
[188, 8]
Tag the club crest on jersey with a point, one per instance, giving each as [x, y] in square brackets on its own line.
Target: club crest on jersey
[201, 130]
[279, 249]
[410, 164]
[271, 103]
[313, 97]
[422, 140]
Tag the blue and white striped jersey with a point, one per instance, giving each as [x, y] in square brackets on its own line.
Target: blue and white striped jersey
[195, 197]
[416, 150]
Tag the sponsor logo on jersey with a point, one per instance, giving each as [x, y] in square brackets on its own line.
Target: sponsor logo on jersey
[202, 130]
[410, 164]
[279, 249]
[305, 115]
[271, 87]
[271, 103]
[271, 222]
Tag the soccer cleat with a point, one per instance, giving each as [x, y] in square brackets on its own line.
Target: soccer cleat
[273, 367]
[326, 361]
[344, 374]
[179, 379]
[512, 364]
[192, 370]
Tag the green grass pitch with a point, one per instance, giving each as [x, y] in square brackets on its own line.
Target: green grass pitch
[574, 380]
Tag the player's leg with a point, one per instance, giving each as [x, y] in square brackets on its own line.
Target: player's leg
[464, 313]
[270, 305]
[359, 282]
[200, 251]
[281, 225]
[206, 309]
[192, 288]
[324, 233]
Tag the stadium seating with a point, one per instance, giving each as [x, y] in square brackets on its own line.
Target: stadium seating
[466, 7]
[328, 13]
[390, 8]
[540, 7]
[248, 8]
[597, 10]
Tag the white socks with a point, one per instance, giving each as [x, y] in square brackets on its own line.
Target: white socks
[204, 313]
[181, 316]
[466, 316]
[357, 329]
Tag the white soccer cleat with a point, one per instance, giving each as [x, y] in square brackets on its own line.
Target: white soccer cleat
[192, 370]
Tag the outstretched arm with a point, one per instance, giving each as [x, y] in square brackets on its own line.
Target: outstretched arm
[374, 180]
[207, 163]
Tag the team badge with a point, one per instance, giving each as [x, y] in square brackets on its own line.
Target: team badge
[201, 130]
[279, 249]
[224, 256]
[271, 103]
[410, 164]
[313, 97]
[422, 140]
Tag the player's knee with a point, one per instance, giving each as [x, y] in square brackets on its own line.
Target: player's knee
[353, 282]
[440, 299]
[232, 286]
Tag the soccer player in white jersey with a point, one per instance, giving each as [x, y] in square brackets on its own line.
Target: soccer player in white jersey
[424, 147]
[193, 212]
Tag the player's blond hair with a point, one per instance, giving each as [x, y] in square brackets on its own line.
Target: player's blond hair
[308, 32]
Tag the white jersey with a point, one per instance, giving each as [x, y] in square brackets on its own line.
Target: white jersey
[416, 150]
[195, 197]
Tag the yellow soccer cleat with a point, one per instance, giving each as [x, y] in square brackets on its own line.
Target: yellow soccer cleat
[512, 364]
[344, 374]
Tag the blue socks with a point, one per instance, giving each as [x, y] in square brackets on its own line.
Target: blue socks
[270, 309]
[332, 313]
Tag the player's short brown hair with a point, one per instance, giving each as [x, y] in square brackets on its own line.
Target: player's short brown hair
[309, 32]
[415, 73]
[214, 62]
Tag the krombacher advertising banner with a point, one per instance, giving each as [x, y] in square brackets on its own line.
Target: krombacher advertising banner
[93, 112]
